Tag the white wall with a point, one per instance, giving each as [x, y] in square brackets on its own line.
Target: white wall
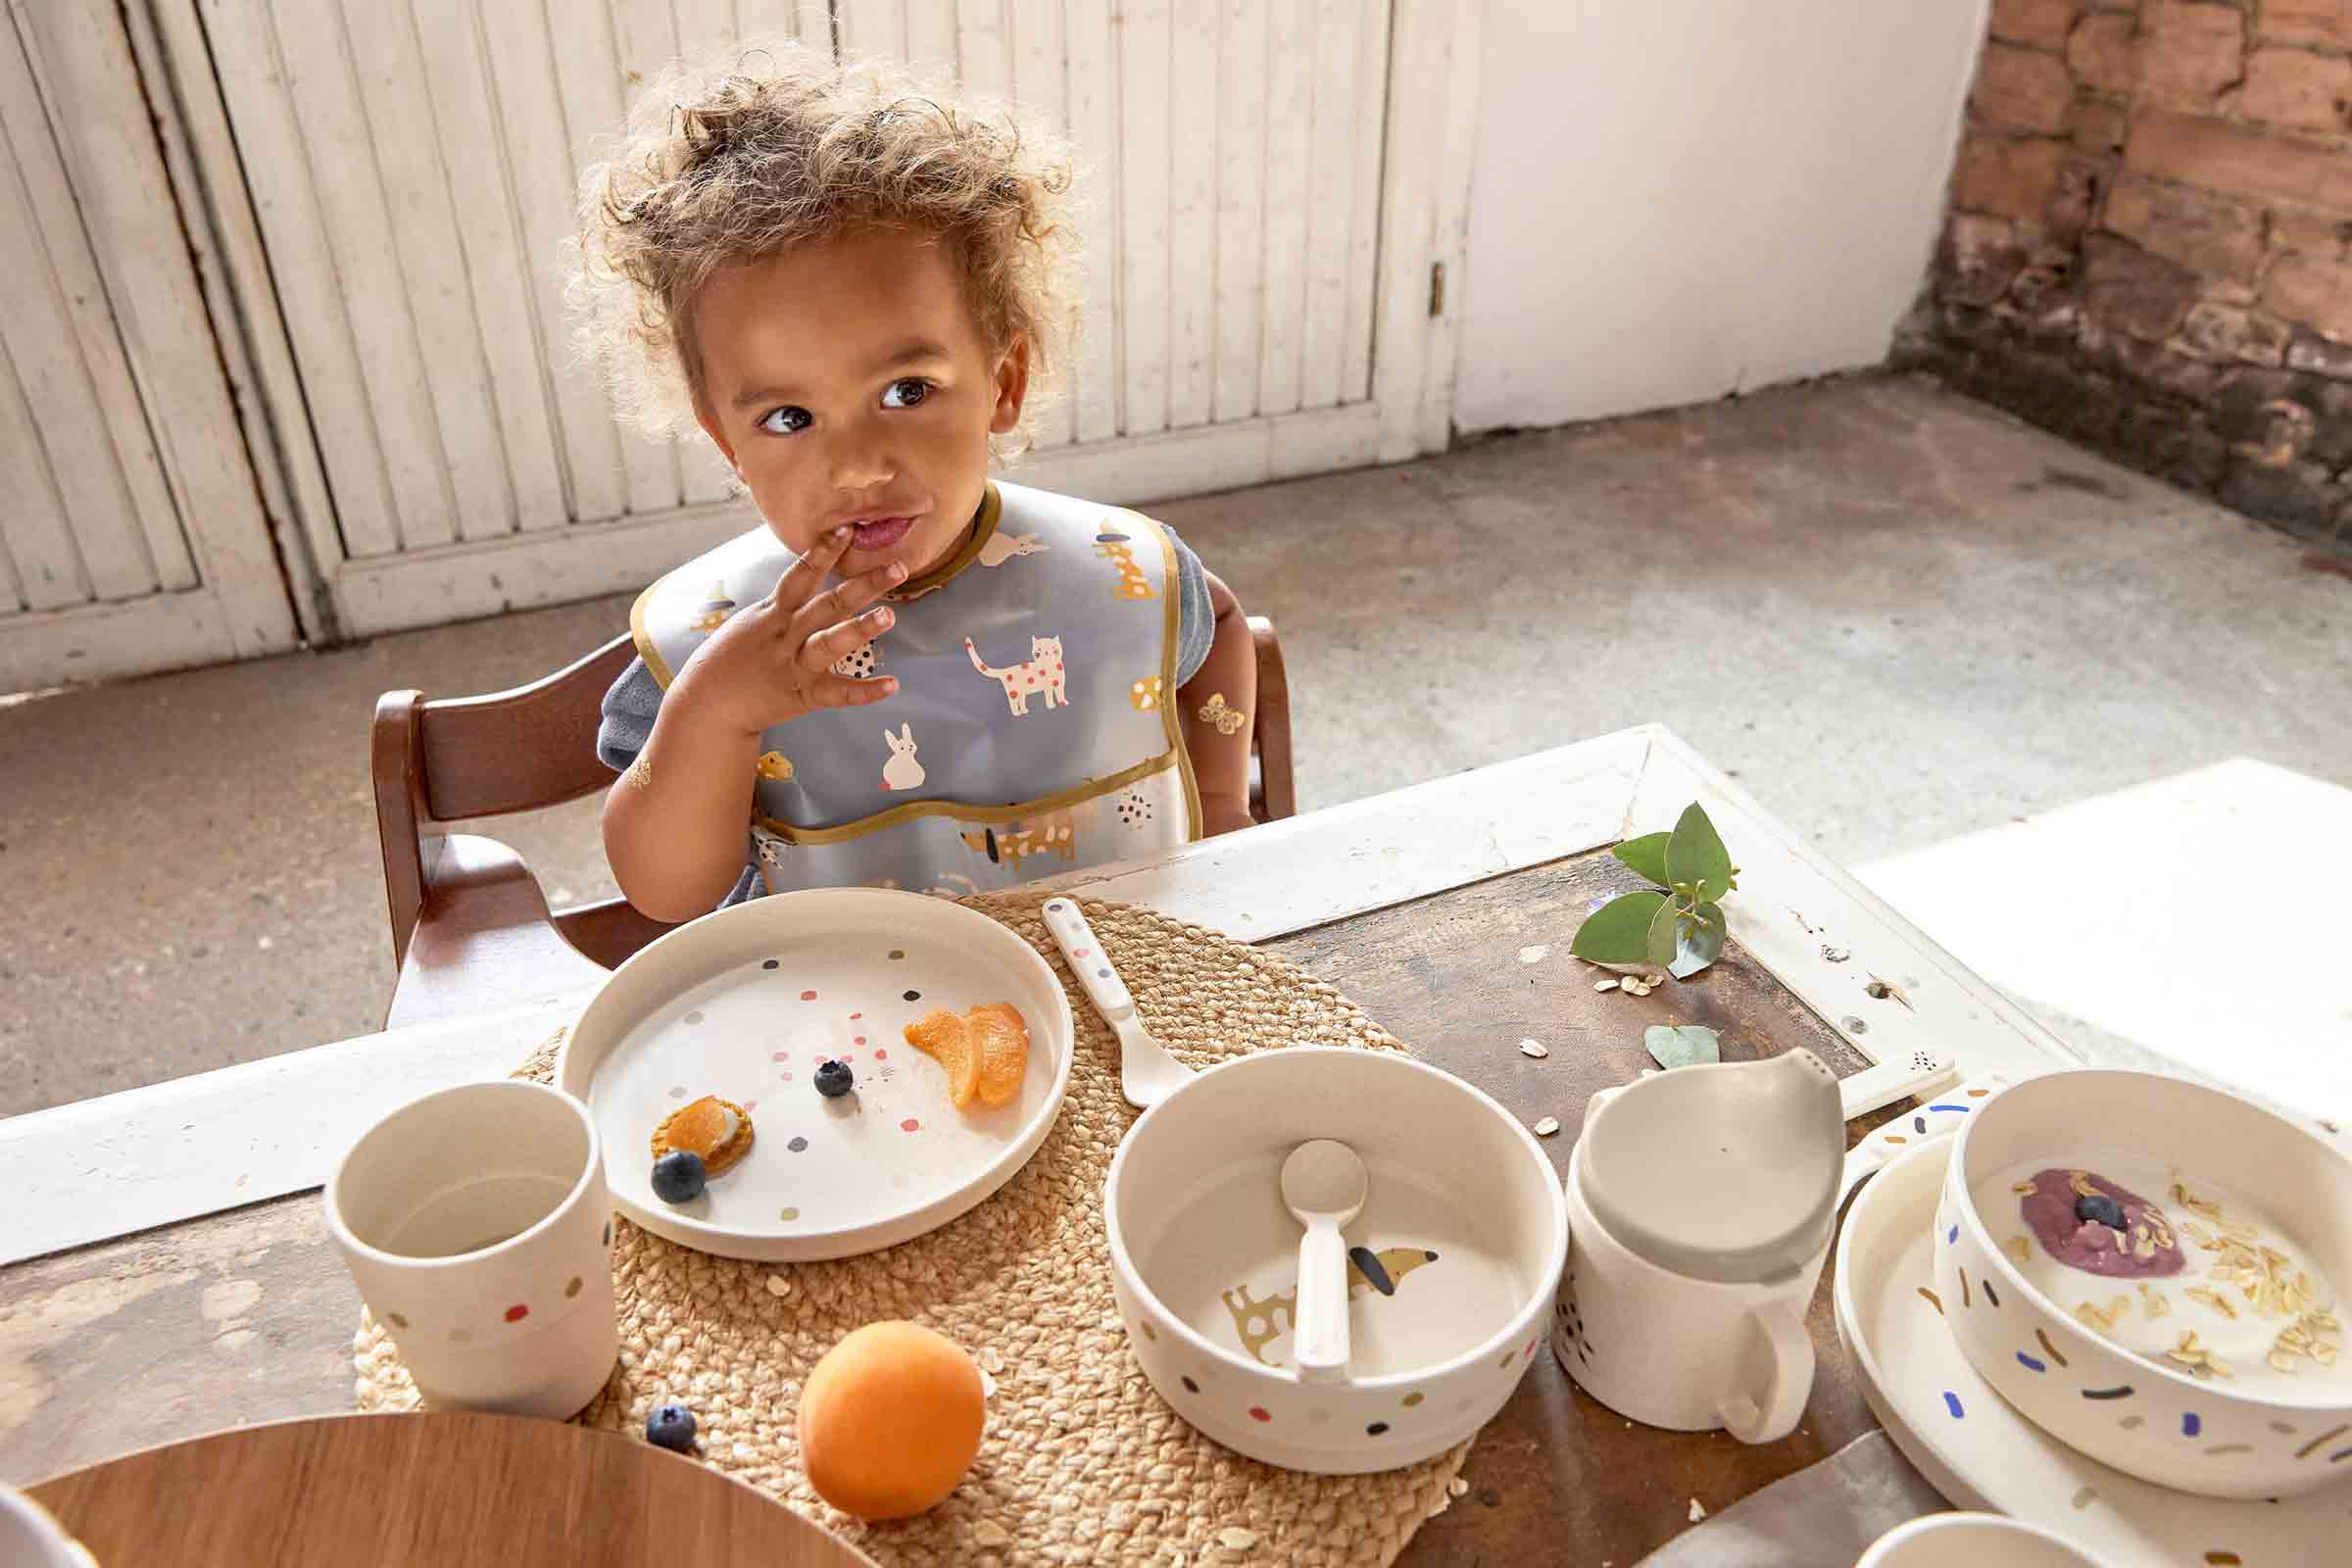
[1675, 199]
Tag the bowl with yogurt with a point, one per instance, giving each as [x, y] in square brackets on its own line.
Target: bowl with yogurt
[2149, 1269]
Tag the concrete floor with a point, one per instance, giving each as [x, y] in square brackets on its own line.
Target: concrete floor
[1898, 616]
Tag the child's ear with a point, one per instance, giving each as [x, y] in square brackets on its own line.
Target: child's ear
[709, 423]
[1012, 387]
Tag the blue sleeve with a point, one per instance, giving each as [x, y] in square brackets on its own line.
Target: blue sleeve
[628, 716]
[1195, 617]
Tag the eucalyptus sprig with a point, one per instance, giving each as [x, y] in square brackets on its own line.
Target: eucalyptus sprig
[1676, 925]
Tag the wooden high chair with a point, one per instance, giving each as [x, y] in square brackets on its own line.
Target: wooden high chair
[470, 927]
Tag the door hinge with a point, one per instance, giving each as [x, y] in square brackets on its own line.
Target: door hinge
[1437, 288]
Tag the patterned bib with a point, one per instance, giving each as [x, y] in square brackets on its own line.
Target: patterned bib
[1034, 729]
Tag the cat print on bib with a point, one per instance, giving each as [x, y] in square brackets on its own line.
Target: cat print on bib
[1042, 673]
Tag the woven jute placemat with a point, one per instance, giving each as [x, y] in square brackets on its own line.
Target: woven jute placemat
[1082, 1461]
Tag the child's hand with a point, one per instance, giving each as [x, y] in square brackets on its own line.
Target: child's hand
[774, 662]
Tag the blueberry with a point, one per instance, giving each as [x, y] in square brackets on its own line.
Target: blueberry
[834, 1079]
[678, 1176]
[2098, 1208]
[671, 1426]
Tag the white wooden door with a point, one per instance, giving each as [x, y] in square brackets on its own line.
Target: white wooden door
[132, 533]
[1270, 183]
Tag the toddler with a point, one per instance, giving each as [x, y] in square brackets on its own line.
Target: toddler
[910, 675]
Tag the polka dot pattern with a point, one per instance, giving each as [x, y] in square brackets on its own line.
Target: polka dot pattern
[693, 1321]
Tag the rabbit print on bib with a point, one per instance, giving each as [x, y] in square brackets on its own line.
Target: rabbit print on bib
[901, 771]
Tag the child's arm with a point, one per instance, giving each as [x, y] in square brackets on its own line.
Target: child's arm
[677, 822]
[1222, 761]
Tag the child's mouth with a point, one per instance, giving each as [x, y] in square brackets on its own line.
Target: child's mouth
[879, 534]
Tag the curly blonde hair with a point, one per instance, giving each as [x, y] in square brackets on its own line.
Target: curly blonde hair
[747, 153]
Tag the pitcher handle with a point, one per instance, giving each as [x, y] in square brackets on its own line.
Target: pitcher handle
[1772, 1414]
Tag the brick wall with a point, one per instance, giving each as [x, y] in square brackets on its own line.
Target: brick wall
[2149, 242]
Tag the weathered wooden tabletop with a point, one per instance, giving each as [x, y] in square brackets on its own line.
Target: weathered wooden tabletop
[247, 1316]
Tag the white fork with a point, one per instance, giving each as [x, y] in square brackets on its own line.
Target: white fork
[1148, 1074]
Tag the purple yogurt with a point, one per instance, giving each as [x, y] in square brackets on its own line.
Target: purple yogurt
[2090, 1246]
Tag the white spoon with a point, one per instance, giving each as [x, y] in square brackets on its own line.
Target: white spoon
[1148, 1074]
[1323, 1182]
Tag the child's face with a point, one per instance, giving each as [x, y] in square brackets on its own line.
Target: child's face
[848, 383]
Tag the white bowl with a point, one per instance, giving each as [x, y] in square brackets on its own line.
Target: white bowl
[1972, 1541]
[1462, 1202]
[2211, 1436]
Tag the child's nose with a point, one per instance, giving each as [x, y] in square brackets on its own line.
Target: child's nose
[860, 462]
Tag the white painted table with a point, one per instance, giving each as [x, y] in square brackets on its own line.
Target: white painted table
[165, 1283]
[125, 1162]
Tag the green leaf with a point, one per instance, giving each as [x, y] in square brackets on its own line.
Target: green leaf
[1695, 855]
[1685, 1045]
[1657, 943]
[1618, 932]
[1698, 941]
[1647, 854]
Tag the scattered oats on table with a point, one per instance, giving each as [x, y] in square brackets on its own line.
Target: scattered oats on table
[1534, 1047]
[1604, 985]
[1548, 1126]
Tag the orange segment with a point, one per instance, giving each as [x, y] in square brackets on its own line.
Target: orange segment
[942, 1036]
[1003, 1049]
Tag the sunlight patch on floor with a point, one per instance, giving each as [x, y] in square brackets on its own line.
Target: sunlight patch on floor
[2203, 918]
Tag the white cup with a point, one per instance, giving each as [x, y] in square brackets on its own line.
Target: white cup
[1971, 1540]
[476, 1223]
[1674, 1351]
[31, 1537]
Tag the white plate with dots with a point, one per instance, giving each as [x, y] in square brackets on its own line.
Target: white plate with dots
[747, 1003]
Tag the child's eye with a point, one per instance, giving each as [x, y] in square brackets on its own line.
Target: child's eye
[905, 392]
[787, 419]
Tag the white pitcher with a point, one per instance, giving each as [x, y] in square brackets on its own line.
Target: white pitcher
[1700, 1204]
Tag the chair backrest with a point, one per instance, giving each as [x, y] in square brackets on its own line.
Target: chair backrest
[455, 758]
[521, 750]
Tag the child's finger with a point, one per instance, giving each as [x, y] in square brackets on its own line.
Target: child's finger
[850, 596]
[839, 691]
[843, 638]
[804, 576]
